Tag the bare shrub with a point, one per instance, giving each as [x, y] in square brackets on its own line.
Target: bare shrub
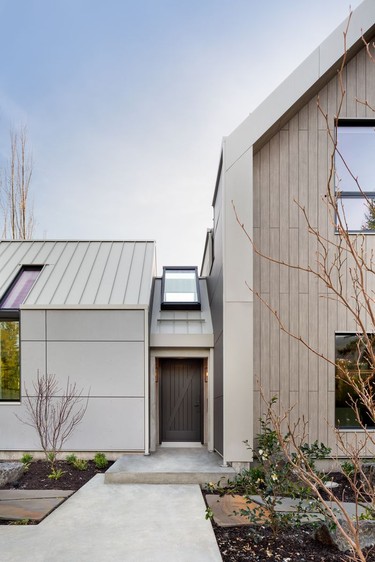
[53, 413]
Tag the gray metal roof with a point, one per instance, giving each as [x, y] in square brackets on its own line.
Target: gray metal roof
[181, 328]
[82, 273]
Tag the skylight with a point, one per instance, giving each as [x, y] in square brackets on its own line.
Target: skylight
[180, 288]
[20, 288]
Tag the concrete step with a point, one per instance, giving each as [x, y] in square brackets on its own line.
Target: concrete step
[169, 466]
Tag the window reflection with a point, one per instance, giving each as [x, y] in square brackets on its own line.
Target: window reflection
[351, 359]
[9, 360]
[355, 181]
[180, 288]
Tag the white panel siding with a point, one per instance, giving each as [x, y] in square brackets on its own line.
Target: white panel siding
[106, 368]
[33, 325]
[96, 325]
[110, 424]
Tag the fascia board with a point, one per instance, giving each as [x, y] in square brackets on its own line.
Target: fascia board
[306, 75]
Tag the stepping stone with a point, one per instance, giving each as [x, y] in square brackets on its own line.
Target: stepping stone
[30, 504]
[223, 509]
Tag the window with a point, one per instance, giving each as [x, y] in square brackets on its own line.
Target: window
[351, 358]
[20, 288]
[356, 201]
[9, 332]
[9, 360]
[180, 288]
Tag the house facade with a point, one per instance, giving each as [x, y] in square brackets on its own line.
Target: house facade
[279, 160]
[93, 313]
[182, 360]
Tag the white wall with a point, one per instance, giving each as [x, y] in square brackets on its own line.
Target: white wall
[104, 352]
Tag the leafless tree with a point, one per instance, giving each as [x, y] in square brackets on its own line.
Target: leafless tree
[17, 208]
[53, 413]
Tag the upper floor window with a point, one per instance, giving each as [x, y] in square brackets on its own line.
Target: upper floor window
[180, 288]
[355, 175]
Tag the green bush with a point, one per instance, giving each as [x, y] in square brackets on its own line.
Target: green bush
[80, 464]
[26, 458]
[71, 459]
[100, 461]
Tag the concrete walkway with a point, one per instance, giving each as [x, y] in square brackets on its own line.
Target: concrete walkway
[109, 522]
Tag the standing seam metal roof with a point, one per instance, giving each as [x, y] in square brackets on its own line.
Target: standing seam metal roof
[82, 272]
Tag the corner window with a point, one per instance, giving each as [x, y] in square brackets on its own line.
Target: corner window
[355, 178]
[10, 378]
[351, 362]
[9, 361]
[180, 288]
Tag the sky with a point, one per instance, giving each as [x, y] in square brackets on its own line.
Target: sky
[126, 103]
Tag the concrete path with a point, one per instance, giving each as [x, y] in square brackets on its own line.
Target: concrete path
[109, 522]
[170, 466]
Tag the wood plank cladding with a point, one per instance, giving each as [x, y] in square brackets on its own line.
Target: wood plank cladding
[293, 167]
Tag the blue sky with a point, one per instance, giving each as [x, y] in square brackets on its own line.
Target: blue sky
[126, 103]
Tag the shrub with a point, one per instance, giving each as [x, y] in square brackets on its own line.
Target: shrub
[100, 460]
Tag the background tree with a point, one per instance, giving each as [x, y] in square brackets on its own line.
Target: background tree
[18, 214]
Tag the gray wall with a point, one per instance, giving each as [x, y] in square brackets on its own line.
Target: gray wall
[103, 351]
[294, 164]
[215, 291]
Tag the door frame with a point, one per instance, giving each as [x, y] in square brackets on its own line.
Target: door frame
[201, 393]
[207, 394]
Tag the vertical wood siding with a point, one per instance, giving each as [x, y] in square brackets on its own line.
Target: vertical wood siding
[293, 167]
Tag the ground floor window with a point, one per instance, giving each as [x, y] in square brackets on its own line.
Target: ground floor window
[9, 361]
[352, 363]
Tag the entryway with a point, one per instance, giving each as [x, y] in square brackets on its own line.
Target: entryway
[181, 400]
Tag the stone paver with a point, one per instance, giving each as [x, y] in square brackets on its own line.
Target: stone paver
[30, 504]
[224, 508]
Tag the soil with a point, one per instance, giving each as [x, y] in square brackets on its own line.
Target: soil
[36, 477]
[297, 544]
[236, 544]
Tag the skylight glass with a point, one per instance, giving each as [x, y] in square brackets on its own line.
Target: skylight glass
[180, 288]
[20, 288]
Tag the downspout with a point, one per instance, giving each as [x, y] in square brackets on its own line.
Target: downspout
[147, 385]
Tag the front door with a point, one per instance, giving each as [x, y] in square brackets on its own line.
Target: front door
[181, 400]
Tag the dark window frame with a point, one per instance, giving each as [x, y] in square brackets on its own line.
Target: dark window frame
[349, 194]
[181, 305]
[22, 269]
[13, 315]
[354, 426]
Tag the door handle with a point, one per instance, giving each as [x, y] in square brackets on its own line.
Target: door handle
[197, 405]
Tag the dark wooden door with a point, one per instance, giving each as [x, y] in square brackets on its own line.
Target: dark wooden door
[181, 400]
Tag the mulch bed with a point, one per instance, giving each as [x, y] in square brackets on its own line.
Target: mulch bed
[296, 544]
[36, 478]
[236, 544]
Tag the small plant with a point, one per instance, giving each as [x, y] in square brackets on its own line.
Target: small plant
[100, 460]
[348, 469]
[368, 515]
[80, 464]
[209, 513]
[71, 459]
[26, 460]
[20, 522]
[56, 474]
